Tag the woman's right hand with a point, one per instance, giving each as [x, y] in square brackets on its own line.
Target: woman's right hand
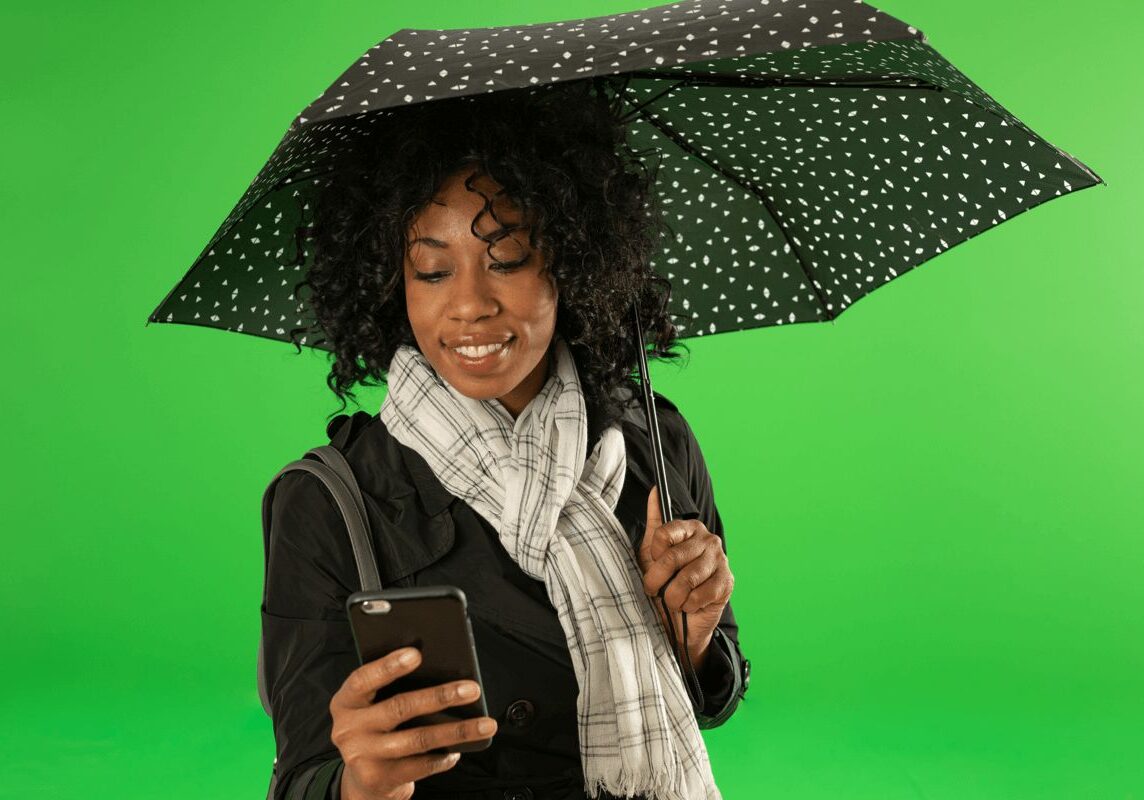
[381, 763]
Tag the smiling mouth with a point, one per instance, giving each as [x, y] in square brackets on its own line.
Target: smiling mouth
[481, 356]
[480, 351]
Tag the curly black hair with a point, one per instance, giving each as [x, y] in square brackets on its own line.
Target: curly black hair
[560, 154]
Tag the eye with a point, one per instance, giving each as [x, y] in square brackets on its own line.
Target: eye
[434, 277]
[507, 267]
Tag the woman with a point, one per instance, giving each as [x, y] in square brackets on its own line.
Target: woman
[481, 258]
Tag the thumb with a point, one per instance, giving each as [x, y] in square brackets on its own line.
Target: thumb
[654, 514]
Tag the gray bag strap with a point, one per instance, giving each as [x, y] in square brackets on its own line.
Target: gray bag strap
[331, 467]
[339, 478]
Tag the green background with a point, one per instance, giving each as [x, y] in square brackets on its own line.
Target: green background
[933, 518]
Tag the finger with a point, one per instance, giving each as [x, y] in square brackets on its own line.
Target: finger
[383, 778]
[414, 768]
[423, 738]
[688, 580]
[359, 689]
[714, 591]
[675, 557]
[403, 706]
[673, 533]
[713, 588]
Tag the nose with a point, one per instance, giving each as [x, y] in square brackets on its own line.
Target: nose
[472, 296]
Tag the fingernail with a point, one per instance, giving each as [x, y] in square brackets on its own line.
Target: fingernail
[486, 726]
[467, 690]
[408, 657]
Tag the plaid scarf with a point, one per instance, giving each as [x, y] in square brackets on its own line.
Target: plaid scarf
[552, 506]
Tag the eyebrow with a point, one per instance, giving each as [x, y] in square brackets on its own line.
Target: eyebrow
[429, 241]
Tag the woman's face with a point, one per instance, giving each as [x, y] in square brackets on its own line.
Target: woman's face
[454, 296]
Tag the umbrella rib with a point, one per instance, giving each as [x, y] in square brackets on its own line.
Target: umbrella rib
[745, 82]
[750, 186]
[285, 180]
[771, 81]
[843, 82]
[637, 108]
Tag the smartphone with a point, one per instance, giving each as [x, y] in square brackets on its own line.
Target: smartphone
[435, 620]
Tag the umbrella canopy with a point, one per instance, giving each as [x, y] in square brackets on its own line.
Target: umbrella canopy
[811, 152]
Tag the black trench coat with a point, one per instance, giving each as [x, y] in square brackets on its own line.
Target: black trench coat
[423, 535]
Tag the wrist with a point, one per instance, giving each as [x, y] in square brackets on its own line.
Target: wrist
[697, 646]
[698, 651]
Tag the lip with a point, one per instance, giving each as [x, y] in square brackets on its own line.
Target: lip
[486, 363]
[477, 339]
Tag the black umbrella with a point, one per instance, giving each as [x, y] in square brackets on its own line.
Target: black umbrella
[811, 151]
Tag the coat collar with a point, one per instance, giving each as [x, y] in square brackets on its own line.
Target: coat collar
[435, 498]
[344, 429]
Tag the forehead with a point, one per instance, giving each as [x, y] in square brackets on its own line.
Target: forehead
[454, 204]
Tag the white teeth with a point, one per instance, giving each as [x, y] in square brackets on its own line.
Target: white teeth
[478, 352]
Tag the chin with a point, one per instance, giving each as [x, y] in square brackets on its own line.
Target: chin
[477, 389]
[474, 386]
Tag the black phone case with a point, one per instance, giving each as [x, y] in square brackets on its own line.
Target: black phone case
[435, 620]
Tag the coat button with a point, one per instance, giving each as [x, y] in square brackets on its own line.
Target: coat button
[524, 793]
[520, 713]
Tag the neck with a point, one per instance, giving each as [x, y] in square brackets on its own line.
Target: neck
[515, 401]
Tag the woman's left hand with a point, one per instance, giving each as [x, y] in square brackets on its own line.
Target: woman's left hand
[702, 581]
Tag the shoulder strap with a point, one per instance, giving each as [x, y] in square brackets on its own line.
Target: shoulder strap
[331, 467]
[344, 487]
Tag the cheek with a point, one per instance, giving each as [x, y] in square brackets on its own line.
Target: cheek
[546, 309]
[541, 317]
[418, 314]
